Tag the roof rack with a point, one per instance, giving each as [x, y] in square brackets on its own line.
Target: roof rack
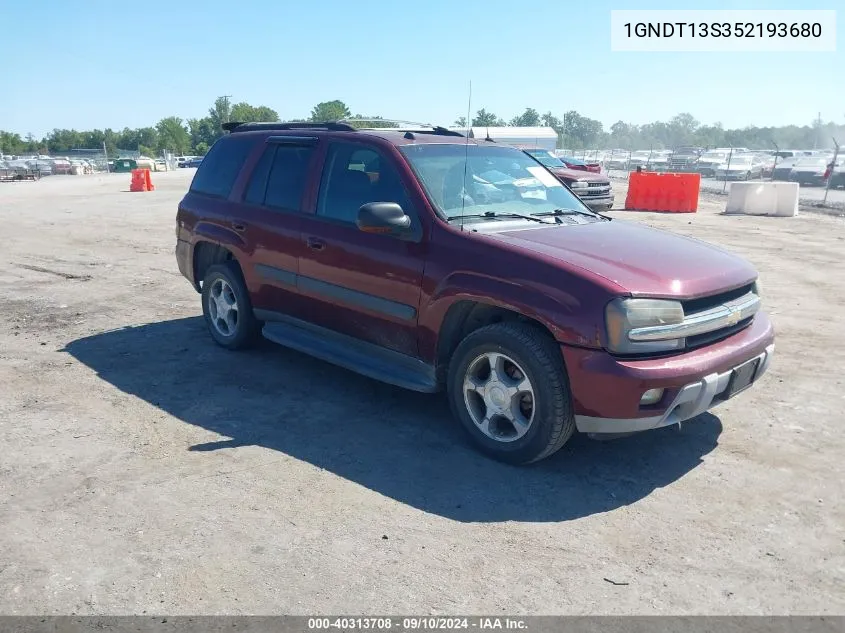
[343, 125]
[336, 126]
[403, 126]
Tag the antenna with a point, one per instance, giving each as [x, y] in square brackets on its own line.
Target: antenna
[466, 155]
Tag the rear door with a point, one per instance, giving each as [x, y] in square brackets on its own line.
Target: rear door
[270, 216]
[361, 284]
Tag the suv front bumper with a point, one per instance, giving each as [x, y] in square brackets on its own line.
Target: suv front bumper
[607, 390]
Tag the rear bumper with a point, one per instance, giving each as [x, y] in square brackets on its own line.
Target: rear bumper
[184, 259]
[607, 390]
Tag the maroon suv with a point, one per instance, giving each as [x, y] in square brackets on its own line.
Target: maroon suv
[594, 189]
[433, 261]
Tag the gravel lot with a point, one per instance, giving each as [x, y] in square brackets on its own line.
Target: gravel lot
[144, 470]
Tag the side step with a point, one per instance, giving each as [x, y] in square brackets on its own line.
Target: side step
[351, 353]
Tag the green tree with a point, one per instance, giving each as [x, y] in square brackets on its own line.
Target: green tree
[173, 136]
[201, 148]
[330, 111]
[529, 118]
[220, 113]
[132, 139]
[246, 113]
[11, 143]
[461, 121]
[550, 120]
[581, 131]
[202, 131]
[483, 118]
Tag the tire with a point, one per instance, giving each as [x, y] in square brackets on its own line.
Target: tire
[242, 327]
[537, 358]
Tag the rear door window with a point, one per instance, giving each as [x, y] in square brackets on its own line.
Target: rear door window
[220, 167]
[279, 177]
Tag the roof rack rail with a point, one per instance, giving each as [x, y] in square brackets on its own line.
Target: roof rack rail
[343, 125]
[403, 126]
[337, 126]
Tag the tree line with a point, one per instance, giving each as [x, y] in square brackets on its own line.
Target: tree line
[575, 131]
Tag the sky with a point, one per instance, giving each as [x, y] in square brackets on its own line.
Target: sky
[106, 64]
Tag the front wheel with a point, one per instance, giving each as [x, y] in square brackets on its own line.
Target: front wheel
[508, 387]
[226, 307]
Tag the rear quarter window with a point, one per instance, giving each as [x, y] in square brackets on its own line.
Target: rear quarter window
[220, 168]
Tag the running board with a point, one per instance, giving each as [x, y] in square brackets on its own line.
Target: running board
[359, 356]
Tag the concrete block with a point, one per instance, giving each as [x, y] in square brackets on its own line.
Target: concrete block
[763, 198]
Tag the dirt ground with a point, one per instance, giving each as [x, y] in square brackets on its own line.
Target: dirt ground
[144, 470]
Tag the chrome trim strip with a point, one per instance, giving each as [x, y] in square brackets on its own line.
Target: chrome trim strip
[724, 316]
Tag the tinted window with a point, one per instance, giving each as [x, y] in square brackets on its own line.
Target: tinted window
[354, 176]
[286, 182]
[220, 167]
[258, 180]
[278, 179]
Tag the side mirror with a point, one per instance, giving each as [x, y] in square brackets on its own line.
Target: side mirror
[383, 217]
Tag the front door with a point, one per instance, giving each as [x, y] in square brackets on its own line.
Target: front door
[361, 284]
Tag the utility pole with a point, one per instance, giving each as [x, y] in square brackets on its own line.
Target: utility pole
[818, 131]
[226, 107]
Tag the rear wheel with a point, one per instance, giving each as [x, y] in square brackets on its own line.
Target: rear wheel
[226, 307]
[508, 387]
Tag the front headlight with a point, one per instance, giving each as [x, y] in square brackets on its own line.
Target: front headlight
[624, 315]
[579, 184]
[757, 288]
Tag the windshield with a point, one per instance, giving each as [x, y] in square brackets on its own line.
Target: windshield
[476, 179]
[739, 160]
[714, 156]
[547, 158]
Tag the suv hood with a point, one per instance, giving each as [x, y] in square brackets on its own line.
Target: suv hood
[642, 260]
[577, 174]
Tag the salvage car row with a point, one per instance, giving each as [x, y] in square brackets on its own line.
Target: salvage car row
[807, 167]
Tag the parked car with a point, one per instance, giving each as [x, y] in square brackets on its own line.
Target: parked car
[837, 175]
[61, 166]
[580, 165]
[684, 159]
[595, 191]
[160, 164]
[536, 315]
[659, 161]
[618, 159]
[194, 162]
[811, 170]
[710, 161]
[783, 168]
[743, 167]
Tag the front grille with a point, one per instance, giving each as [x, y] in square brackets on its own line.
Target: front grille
[705, 303]
[691, 306]
[694, 342]
[598, 184]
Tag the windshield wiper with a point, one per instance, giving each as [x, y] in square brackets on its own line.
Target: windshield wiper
[496, 214]
[559, 212]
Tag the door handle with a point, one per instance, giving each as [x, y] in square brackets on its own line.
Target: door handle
[240, 227]
[315, 243]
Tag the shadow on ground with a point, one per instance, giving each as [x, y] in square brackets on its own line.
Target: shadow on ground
[401, 444]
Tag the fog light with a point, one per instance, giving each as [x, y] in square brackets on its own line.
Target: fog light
[652, 396]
